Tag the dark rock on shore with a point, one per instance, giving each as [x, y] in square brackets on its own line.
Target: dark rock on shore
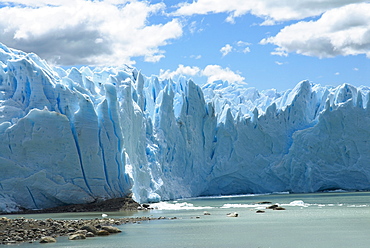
[144, 206]
[111, 205]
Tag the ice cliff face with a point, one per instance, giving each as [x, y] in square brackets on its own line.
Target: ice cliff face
[76, 136]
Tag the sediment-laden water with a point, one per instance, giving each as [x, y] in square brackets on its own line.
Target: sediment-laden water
[337, 219]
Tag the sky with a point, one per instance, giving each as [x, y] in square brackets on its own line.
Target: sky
[263, 43]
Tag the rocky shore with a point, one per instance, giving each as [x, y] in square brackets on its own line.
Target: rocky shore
[111, 205]
[20, 229]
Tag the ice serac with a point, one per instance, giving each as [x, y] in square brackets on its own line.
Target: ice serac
[57, 148]
[333, 153]
[82, 135]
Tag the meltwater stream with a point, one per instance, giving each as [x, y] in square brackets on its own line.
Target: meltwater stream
[337, 219]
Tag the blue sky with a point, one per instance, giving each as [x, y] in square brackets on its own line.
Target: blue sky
[264, 43]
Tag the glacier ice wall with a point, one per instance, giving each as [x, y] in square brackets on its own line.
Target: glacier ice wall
[81, 135]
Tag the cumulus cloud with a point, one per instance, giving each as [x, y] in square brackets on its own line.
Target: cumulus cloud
[226, 49]
[270, 10]
[243, 46]
[216, 72]
[181, 70]
[246, 50]
[243, 43]
[212, 72]
[36, 3]
[70, 32]
[239, 47]
[341, 31]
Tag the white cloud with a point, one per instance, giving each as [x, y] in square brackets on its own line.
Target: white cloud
[212, 72]
[195, 27]
[216, 72]
[246, 50]
[355, 69]
[243, 43]
[87, 32]
[341, 31]
[192, 27]
[181, 70]
[196, 56]
[244, 46]
[270, 10]
[279, 63]
[37, 3]
[226, 49]
[241, 47]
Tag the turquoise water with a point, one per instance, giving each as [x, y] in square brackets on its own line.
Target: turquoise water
[337, 219]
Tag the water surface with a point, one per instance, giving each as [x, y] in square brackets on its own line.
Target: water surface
[338, 219]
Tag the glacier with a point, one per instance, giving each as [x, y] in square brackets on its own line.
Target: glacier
[83, 135]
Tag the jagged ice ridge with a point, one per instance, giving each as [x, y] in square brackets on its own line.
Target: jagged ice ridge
[81, 135]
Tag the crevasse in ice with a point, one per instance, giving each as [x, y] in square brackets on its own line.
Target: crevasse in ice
[81, 135]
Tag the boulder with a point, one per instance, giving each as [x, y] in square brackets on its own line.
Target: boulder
[263, 202]
[111, 229]
[81, 232]
[145, 205]
[47, 239]
[102, 233]
[279, 208]
[89, 228]
[235, 214]
[272, 206]
[77, 236]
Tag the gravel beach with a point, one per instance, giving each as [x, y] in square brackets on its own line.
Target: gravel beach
[20, 229]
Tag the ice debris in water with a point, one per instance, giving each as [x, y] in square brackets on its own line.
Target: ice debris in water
[176, 206]
[81, 135]
[299, 203]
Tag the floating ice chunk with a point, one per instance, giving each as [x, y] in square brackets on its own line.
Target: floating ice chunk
[176, 206]
[299, 203]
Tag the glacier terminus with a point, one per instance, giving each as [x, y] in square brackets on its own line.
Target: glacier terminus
[83, 135]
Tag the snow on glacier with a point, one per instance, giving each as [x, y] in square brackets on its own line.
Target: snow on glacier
[82, 135]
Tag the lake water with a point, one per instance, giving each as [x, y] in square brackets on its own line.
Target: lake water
[337, 219]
